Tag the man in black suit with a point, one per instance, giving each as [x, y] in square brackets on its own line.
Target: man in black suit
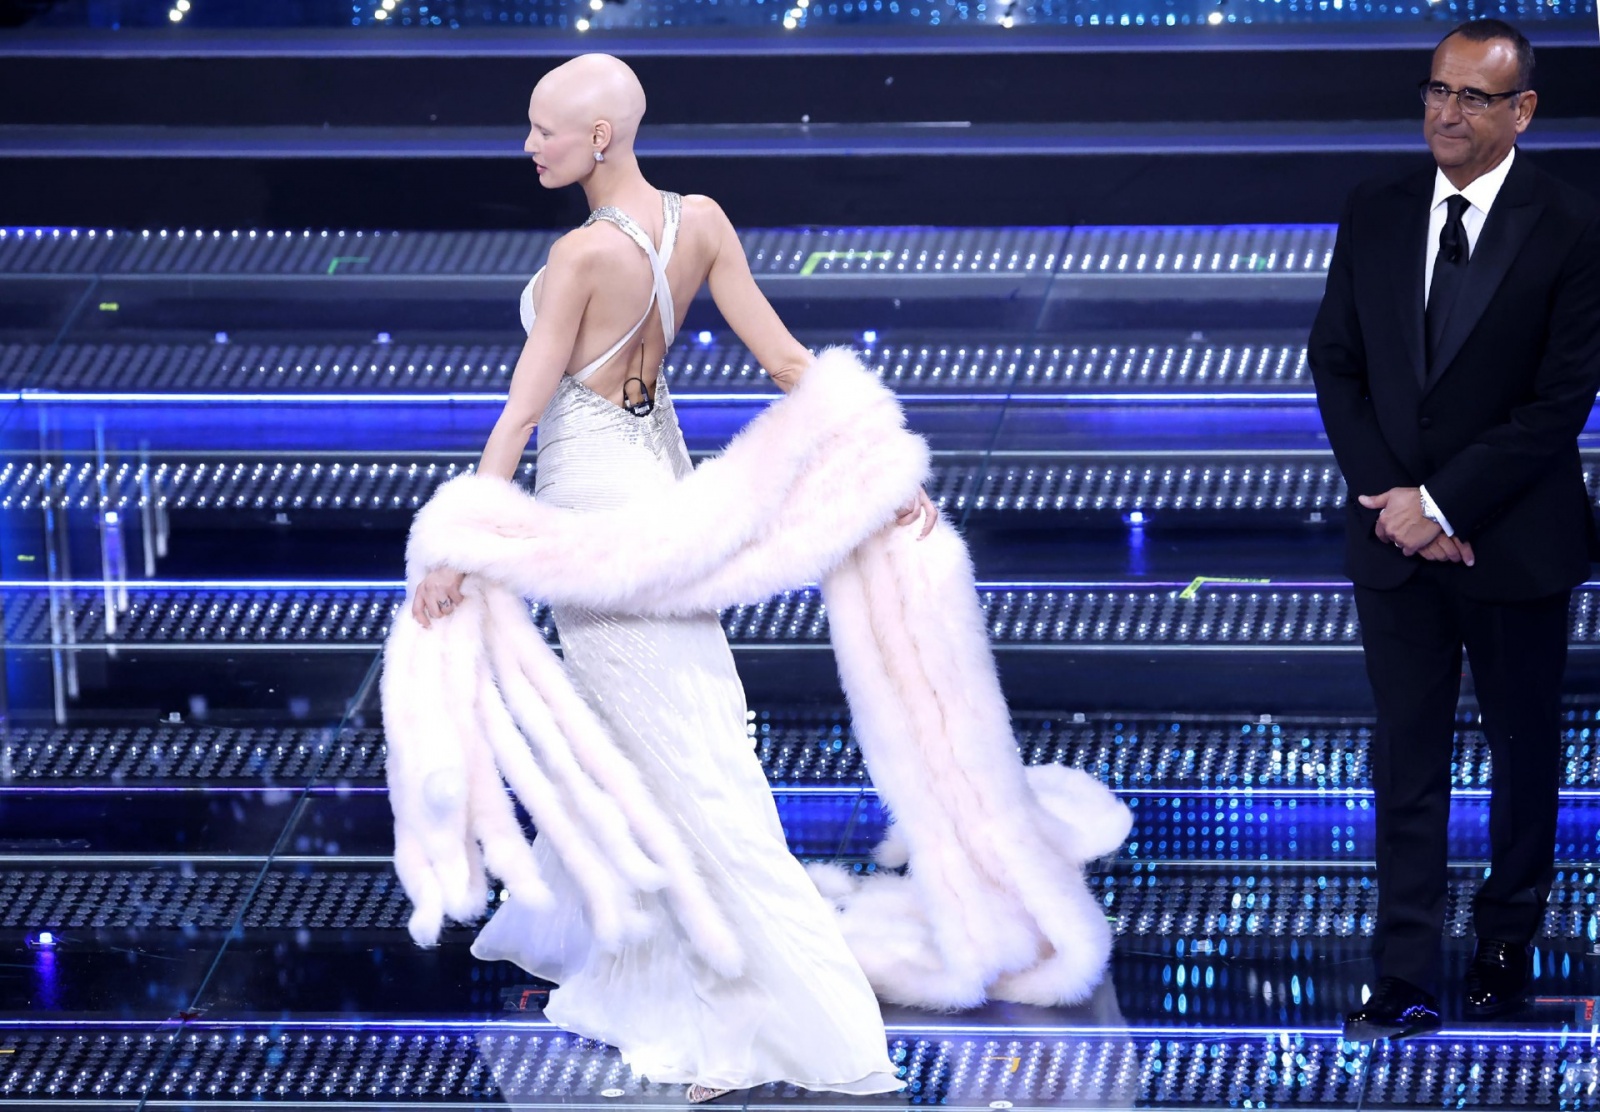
[1456, 357]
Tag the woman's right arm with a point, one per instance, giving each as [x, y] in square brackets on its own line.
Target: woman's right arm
[564, 294]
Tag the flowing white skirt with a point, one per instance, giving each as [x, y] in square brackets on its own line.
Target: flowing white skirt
[802, 1011]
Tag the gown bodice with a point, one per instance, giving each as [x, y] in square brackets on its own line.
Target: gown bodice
[585, 441]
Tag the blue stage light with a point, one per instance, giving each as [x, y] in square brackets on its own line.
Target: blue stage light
[44, 940]
[705, 337]
[869, 336]
[1136, 517]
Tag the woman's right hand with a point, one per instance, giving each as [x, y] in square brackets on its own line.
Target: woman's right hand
[437, 596]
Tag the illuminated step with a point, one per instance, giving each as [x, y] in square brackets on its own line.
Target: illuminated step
[1223, 615]
[1184, 482]
[1202, 902]
[1267, 251]
[339, 819]
[1187, 484]
[300, 616]
[697, 363]
[806, 748]
[528, 1062]
[1289, 482]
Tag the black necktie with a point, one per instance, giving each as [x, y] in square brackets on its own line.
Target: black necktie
[1449, 266]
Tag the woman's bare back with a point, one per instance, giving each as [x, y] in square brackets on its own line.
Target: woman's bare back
[622, 281]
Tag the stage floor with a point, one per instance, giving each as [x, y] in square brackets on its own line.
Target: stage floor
[211, 452]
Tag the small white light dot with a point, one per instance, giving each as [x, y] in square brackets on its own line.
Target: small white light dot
[790, 23]
[1214, 18]
[582, 25]
[175, 15]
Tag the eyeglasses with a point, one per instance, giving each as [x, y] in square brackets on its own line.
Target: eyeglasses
[1436, 94]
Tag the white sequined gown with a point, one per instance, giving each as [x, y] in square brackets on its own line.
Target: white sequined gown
[803, 1011]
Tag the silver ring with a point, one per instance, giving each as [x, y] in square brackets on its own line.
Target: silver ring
[446, 604]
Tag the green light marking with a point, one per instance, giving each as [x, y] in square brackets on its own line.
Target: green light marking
[839, 256]
[1193, 589]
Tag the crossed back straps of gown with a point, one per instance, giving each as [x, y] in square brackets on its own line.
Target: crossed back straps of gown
[661, 292]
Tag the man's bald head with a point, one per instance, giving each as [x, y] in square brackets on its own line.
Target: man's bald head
[592, 89]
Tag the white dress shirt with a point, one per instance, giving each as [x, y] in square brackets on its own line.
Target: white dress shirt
[1480, 194]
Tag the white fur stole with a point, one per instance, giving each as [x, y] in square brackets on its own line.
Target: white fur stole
[993, 902]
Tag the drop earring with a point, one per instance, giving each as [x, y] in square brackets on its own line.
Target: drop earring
[599, 156]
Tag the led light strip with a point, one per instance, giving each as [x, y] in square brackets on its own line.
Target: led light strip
[1153, 397]
[1566, 1034]
[841, 791]
[397, 585]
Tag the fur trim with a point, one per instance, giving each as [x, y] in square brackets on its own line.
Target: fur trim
[716, 539]
[835, 883]
[1093, 821]
[992, 902]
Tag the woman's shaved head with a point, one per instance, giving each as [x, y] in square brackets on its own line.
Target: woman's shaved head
[589, 106]
[591, 89]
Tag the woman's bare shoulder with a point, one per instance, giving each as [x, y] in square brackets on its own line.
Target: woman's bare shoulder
[579, 260]
[580, 247]
[702, 215]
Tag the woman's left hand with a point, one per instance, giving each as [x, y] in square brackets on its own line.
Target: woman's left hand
[921, 506]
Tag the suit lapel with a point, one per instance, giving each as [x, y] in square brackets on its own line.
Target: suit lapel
[1407, 266]
[1512, 218]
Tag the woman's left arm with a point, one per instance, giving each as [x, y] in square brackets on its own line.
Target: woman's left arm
[745, 307]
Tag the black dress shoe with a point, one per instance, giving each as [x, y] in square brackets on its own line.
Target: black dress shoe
[1497, 979]
[1397, 1009]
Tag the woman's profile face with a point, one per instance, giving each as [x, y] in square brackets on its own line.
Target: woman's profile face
[561, 153]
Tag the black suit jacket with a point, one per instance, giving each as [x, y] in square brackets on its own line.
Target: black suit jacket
[1491, 427]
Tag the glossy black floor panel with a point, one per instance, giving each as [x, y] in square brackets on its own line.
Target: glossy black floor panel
[1169, 981]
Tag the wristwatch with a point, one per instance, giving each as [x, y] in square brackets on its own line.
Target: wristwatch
[1431, 511]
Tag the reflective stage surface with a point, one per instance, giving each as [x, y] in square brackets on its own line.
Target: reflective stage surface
[213, 444]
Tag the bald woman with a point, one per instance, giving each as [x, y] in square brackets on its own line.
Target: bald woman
[600, 317]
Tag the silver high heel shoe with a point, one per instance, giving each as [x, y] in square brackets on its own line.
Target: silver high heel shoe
[703, 1094]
